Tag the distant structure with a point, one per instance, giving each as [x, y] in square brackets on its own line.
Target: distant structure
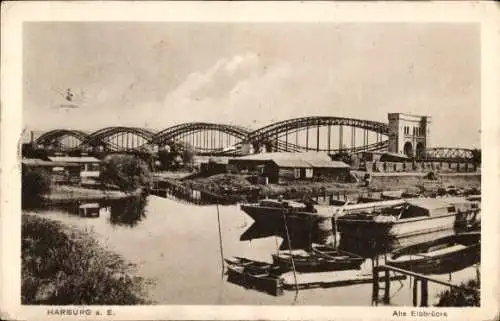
[409, 135]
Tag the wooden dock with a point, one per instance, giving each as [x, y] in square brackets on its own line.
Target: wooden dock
[330, 279]
[423, 279]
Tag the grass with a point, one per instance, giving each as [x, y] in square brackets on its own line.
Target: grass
[65, 266]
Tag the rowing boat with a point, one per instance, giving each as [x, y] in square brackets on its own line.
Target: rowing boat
[254, 275]
[319, 258]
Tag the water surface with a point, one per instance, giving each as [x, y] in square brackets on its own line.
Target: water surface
[177, 245]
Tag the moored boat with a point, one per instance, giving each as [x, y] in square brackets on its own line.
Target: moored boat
[444, 255]
[412, 222]
[254, 274]
[320, 258]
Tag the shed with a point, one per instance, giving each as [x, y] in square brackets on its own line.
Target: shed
[90, 167]
[281, 170]
[60, 172]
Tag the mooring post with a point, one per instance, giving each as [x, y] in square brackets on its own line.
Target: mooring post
[425, 294]
[375, 284]
[387, 287]
[415, 291]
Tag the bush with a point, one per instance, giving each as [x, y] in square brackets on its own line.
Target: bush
[176, 155]
[454, 298]
[62, 266]
[125, 171]
[34, 183]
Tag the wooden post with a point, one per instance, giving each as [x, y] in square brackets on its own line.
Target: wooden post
[290, 252]
[220, 242]
[375, 284]
[425, 294]
[415, 290]
[387, 286]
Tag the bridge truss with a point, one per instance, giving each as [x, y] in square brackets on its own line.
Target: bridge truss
[318, 133]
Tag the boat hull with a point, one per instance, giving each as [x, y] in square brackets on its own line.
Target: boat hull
[419, 257]
[317, 261]
[255, 275]
[369, 237]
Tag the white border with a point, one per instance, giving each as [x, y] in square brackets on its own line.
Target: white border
[14, 13]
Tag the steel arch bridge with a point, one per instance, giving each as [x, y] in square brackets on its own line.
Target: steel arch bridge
[316, 133]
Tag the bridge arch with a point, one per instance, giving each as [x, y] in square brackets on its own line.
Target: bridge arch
[120, 138]
[279, 131]
[56, 137]
[205, 137]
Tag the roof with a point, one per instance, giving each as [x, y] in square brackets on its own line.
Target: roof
[298, 160]
[43, 163]
[320, 163]
[89, 205]
[82, 159]
[428, 203]
[284, 155]
[297, 163]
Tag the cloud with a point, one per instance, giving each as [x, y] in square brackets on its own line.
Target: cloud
[248, 90]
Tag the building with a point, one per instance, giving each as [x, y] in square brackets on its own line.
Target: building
[409, 134]
[214, 167]
[90, 167]
[59, 172]
[283, 167]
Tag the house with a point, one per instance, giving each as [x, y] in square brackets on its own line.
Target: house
[283, 167]
[59, 172]
[90, 167]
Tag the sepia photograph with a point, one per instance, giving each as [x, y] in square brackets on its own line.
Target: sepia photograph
[230, 163]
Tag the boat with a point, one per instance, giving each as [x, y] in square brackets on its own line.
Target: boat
[306, 223]
[319, 258]
[411, 222]
[254, 275]
[444, 255]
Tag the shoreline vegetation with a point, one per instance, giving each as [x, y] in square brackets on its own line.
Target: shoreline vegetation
[62, 265]
[455, 298]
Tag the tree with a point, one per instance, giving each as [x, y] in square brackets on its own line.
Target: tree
[128, 172]
[476, 156]
[34, 183]
[176, 155]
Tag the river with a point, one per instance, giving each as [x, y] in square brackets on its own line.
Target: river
[177, 245]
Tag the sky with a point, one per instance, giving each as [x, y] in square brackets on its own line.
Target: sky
[158, 74]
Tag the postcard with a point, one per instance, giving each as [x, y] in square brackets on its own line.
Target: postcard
[250, 160]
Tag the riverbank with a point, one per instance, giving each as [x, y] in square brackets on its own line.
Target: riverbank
[62, 194]
[64, 265]
[232, 184]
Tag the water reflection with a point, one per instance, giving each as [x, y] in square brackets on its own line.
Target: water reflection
[128, 211]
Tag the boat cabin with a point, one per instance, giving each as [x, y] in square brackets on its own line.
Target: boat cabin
[429, 207]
